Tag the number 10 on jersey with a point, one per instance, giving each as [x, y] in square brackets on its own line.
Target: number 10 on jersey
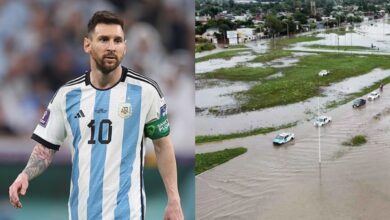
[103, 126]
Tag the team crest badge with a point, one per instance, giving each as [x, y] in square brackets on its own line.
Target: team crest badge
[125, 110]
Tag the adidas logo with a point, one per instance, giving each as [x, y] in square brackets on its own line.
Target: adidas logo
[80, 114]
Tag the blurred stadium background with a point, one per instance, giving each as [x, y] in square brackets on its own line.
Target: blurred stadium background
[41, 48]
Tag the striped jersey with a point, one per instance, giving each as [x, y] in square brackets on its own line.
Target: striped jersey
[107, 129]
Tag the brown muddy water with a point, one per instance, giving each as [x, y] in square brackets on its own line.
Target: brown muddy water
[287, 182]
[207, 124]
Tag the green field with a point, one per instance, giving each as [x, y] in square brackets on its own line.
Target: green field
[240, 73]
[272, 55]
[280, 43]
[300, 81]
[206, 161]
[222, 55]
[339, 31]
[212, 138]
[341, 47]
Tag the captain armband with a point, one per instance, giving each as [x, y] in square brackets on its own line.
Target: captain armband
[157, 128]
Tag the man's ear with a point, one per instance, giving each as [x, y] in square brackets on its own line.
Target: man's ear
[87, 44]
[125, 47]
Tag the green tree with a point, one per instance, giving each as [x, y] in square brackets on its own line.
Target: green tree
[273, 24]
[298, 16]
[328, 8]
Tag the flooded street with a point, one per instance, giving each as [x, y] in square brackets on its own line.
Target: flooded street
[269, 117]
[287, 182]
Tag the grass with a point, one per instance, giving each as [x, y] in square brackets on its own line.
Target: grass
[237, 46]
[280, 43]
[240, 73]
[206, 161]
[341, 47]
[355, 141]
[212, 138]
[204, 47]
[301, 81]
[275, 54]
[339, 31]
[221, 55]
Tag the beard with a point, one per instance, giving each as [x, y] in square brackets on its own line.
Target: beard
[107, 63]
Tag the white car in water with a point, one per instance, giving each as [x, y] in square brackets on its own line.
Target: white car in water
[373, 95]
[322, 120]
[323, 73]
[283, 138]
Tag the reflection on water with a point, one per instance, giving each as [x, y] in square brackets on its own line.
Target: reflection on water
[287, 182]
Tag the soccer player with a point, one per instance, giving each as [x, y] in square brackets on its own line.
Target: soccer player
[107, 112]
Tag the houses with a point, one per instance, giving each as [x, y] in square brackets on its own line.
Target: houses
[241, 35]
[210, 35]
[203, 19]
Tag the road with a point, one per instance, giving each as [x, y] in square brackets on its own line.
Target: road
[287, 182]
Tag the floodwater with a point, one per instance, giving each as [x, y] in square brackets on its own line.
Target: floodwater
[287, 182]
[243, 58]
[219, 95]
[214, 64]
[207, 124]
[277, 63]
[364, 35]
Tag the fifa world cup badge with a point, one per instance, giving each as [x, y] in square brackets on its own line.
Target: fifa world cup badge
[125, 110]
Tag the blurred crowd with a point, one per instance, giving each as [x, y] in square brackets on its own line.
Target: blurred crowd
[41, 49]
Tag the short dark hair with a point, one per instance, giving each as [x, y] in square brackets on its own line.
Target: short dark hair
[103, 17]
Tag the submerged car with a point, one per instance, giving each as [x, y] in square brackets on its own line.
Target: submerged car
[283, 138]
[358, 103]
[373, 95]
[322, 120]
[323, 73]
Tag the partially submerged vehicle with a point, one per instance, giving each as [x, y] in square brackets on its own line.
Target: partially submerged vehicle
[283, 138]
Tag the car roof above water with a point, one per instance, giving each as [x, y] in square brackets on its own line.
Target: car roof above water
[284, 134]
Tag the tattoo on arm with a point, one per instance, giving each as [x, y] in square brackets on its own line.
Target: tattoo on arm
[40, 159]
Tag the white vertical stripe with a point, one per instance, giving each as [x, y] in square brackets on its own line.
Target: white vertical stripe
[86, 105]
[135, 190]
[72, 153]
[68, 141]
[113, 154]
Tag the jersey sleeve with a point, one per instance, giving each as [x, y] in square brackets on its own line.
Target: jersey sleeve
[50, 131]
[157, 125]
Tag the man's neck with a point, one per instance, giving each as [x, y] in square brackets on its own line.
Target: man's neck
[104, 81]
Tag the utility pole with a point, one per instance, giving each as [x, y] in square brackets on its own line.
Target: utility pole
[319, 134]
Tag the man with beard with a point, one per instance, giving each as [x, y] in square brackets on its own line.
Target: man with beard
[107, 112]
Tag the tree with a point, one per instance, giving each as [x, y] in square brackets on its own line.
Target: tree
[298, 16]
[328, 8]
[273, 24]
[210, 10]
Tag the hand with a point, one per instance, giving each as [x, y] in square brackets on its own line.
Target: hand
[173, 211]
[19, 186]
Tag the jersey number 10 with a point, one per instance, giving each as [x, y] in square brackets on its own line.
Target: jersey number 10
[103, 123]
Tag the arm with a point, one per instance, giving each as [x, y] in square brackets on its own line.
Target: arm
[166, 163]
[39, 160]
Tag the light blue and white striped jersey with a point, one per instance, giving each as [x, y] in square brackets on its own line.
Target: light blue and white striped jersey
[107, 128]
